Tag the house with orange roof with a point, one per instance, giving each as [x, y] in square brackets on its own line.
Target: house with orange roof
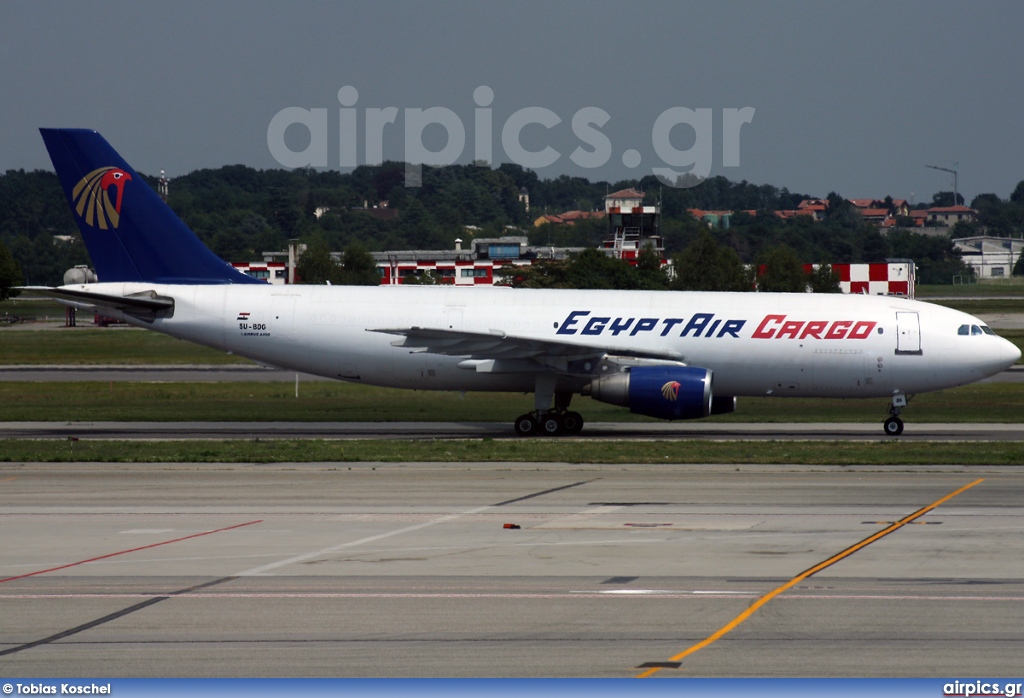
[571, 217]
[877, 216]
[899, 207]
[919, 216]
[950, 215]
[547, 218]
[787, 214]
[567, 218]
[812, 207]
[715, 219]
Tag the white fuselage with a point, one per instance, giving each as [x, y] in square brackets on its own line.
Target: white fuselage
[756, 344]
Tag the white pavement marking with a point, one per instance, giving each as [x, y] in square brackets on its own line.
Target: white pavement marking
[342, 546]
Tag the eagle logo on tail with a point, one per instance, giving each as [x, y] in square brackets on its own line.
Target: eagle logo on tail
[91, 197]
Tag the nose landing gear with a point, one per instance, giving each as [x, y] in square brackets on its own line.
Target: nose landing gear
[893, 426]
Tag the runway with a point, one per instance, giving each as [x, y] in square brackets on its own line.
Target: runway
[641, 431]
[409, 570]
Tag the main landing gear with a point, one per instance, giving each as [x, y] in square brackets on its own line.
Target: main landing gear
[894, 425]
[550, 423]
[545, 420]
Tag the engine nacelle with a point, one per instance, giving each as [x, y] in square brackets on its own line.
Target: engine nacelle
[664, 392]
[723, 404]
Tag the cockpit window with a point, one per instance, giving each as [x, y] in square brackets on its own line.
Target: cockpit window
[965, 330]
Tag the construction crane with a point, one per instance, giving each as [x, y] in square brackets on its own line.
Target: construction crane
[956, 198]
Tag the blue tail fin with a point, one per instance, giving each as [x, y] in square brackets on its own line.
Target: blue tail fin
[131, 234]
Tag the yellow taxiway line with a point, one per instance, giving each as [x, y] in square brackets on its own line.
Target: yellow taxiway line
[735, 622]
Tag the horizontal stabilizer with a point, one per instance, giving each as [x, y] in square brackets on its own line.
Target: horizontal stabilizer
[146, 305]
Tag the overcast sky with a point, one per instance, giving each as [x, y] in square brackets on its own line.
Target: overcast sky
[854, 97]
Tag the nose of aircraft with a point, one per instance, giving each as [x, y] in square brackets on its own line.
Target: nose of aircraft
[1010, 353]
[997, 356]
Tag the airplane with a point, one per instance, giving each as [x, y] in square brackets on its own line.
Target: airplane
[664, 354]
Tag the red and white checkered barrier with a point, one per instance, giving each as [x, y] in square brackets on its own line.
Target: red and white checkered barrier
[884, 279]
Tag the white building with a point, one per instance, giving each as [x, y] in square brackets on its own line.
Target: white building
[990, 257]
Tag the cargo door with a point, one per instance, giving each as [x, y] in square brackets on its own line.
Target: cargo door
[908, 333]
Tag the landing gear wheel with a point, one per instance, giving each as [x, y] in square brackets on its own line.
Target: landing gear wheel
[893, 426]
[551, 425]
[572, 422]
[526, 425]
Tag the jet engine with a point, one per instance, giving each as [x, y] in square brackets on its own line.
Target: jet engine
[664, 392]
[723, 404]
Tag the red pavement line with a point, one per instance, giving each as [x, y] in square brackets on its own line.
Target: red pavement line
[125, 552]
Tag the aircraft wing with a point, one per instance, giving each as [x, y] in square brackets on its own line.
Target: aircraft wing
[496, 344]
[144, 306]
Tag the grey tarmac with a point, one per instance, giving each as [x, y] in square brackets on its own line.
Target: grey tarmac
[415, 570]
[650, 431]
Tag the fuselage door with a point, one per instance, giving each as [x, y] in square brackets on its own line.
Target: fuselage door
[453, 317]
[908, 333]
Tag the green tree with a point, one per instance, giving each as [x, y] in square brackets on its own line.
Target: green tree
[824, 279]
[1017, 196]
[783, 271]
[43, 261]
[358, 267]
[10, 273]
[428, 277]
[841, 212]
[650, 276]
[316, 266]
[592, 268]
[706, 266]
[966, 229]
[1018, 268]
[945, 198]
[547, 273]
[589, 268]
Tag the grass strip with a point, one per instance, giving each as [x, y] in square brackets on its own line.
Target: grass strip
[1013, 287]
[321, 401]
[984, 306]
[889, 452]
[122, 346]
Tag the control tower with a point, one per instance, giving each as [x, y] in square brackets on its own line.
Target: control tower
[631, 225]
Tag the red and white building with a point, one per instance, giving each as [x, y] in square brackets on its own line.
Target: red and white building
[882, 279]
[472, 272]
[481, 265]
[272, 272]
